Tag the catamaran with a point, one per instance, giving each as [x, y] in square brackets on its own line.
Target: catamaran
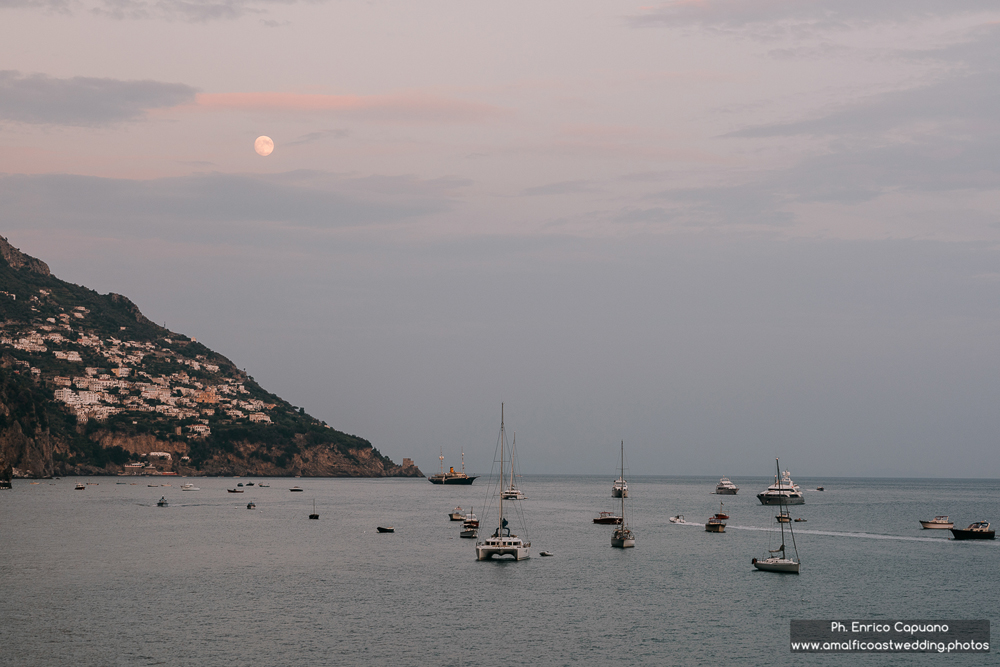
[623, 537]
[782, 563]
[502, 542]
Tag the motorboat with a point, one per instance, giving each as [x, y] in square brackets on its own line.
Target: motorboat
[544, 553]
[251, 505]
[262, 485]
[799, 520]
[726, 488]
[720, 514]
[783, 517]
[609, 518]
[778, 560]
[162, 502]
[79, 487]
[235, 490]
[240, 484]
[385, 529]
[783, 492]
[451, 477]
[939, 523]
[457, 515]
[295, 489]
[623, 537]
[471, 520]
[677, 519]
[715, 523]
[619, 489]
[249, 483]
[980, 530]
[502, 542]
[189, 487]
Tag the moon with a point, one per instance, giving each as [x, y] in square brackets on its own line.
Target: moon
[263, 145]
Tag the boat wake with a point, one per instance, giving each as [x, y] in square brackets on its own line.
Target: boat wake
[832, 533]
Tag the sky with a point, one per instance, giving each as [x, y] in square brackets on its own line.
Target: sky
[722, 231]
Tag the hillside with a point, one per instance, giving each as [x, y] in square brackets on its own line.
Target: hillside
[88, 385]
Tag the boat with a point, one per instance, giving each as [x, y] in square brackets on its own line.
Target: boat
[502, 542]
[544, 553]
[249, 483]
[783, 492]
[783, 516]
[262, 485]
[799, 520]
[512, 492]
[775, 563]
[470, 527]
[240, 484]
[939, 522]
[251, 505]
[471, 520]
[162, 502]
[152, 486]
[5, 484]
[677, 519]
[451, 477]
[726, 488]
[458, 514]
[295, 489]
[609, 518]
[235, 490]
[314, 515]
[79, 487]
[716, 523]
[820, 488]
[980, 530]
[385, 529]
[189, 487]
[623, 538]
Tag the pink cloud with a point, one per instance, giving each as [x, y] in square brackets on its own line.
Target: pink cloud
[412, 107]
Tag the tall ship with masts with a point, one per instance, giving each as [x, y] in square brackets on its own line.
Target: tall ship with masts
[451, 477]
[502, 542]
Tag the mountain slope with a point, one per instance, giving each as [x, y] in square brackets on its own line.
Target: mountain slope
[88, 385]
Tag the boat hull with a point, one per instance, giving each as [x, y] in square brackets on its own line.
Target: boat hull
[385, 529]
[622, 542]
[963, 534]
[780, 565]
[448, 479]
[609, 520]
[715, 527]
[726, 492]
[489, 552]
[780, 500]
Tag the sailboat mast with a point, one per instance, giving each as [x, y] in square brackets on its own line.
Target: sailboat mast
[502, 438]
[624, 522]
[781, 506]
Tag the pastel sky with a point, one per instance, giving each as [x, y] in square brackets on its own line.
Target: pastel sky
[721, 230]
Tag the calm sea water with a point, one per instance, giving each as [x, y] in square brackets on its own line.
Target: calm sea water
[104, 577]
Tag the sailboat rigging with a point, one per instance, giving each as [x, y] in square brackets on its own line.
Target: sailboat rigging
[502, 542]
[775, 563]
[623, 537]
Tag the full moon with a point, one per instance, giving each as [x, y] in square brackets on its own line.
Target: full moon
[263, 145]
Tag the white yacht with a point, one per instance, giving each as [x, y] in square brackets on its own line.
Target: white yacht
[619, 489]
[502, 542]
[783, 492]
[726, 488]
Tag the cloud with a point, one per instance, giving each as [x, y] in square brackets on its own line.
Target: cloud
[216, 205]
[824, 14]
[313, 137]
[191, 11]
[561, 188]
[412, 106]
[83, 101]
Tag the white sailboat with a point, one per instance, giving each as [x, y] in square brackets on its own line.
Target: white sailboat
[502, 542]
[782, 563]
[512, 492]
[623, 537]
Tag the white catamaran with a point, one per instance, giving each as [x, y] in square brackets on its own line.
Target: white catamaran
[782, 563]
[623, 537]
[502, 542]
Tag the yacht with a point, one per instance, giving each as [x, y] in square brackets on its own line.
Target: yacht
[726, 488]
[451, 477]
[783, 492]
[940, 522]
[189, 487]
[502, 542]
[612, 518]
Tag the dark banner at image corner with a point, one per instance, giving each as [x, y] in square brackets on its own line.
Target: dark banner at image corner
[890, 636]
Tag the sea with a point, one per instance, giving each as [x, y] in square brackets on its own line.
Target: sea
[103, 576]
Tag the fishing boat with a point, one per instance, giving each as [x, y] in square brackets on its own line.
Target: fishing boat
[940, 522]
[780, 563]
[980, 530]
[622, 537]
[451, 477]
[314, 515]
[458, 514]
[726, 488]
[162, 502]
[502, 542]
[609, 518]
[512, 492]
[720, 514]
[783, 492]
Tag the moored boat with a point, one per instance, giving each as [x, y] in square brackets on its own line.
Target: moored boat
[777, 560]
[608, 518]
[623, 537]
[783, 492]
[295, 489]
[980, 530]
[79, 487]
[235, 490]
[940, 522]
[451, 477]
[502, 542]
[385, 529]
[457, 515]
[726, 487]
